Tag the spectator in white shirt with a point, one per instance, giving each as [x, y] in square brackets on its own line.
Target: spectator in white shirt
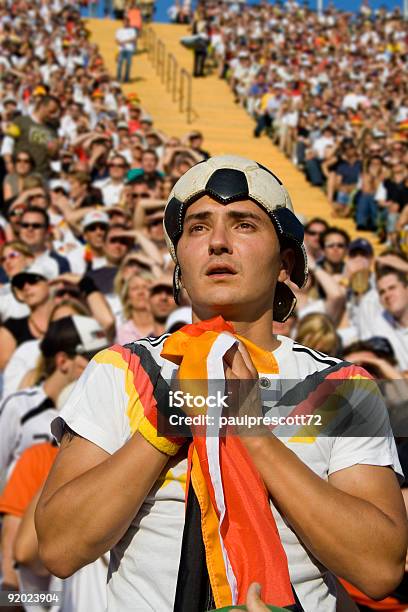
[392, 321]
[112, 186]
[126, 40]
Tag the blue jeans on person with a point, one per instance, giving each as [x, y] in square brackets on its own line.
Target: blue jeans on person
[314, 172]
[124, 57]
[366, 212]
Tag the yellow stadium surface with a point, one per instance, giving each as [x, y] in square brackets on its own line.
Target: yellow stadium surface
[227, 128]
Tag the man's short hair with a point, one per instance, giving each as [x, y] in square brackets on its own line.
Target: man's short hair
[334, 230]
[386, 271]
[316, 220]
[151, 152]
[40, 211]
[83, 178]
[45, 100]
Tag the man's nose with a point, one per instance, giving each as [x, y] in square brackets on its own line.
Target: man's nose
[220, 241]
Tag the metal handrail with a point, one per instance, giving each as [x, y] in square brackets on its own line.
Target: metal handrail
[177, 81]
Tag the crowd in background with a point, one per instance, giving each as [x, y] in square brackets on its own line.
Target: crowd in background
[331, 91]
[85, 176]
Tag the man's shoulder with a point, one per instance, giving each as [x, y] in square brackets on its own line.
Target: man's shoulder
[142, 358]
[308, 360]
[316, 359]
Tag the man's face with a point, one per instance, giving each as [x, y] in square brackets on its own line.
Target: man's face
[95, 234]
[312, 235]
[161, 303]
[116, 247]
[393, 295]
[149, 163]
[33, 230]
[236, 262]
[51, 112]
[335, 248]
[117, 168]
[156, 231]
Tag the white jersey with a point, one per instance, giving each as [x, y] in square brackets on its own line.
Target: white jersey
[23, 360]
[105, 407]
[25, 419]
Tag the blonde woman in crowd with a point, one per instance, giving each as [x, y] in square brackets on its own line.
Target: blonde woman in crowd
[139, 321]
[317, 331]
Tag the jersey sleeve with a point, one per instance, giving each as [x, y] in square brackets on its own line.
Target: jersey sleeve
[97, 406]
[365, 436]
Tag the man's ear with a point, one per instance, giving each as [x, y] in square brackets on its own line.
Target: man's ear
[287, 264]
[62, 362]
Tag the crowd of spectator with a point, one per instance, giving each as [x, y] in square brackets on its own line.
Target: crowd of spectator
[85, 176]
[332, 92]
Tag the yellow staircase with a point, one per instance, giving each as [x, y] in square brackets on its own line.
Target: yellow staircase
[227, 128]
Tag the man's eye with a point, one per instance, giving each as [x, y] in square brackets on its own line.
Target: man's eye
[196, 228]
[246, 225]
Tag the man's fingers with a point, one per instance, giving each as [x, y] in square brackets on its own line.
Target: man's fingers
[247, 359]
[253, 602]
[236, 360]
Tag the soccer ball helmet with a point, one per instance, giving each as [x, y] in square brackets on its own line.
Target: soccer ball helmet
[229, 178]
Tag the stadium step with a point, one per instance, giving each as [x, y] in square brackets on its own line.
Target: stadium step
[227, 128]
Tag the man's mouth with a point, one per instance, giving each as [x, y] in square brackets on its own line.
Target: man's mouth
[220, 270]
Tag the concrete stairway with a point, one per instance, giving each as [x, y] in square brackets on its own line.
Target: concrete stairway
[226, 126]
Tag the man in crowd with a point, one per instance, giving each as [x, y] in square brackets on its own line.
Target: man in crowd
[35, 233]
[126, 41]
[37, 134]
[390, 317]
[348, 517]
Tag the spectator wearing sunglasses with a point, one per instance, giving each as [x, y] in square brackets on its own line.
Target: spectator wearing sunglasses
[13, 183]
[31, 288]
[334, 243]
[112, 186]
[91, 255]
[314, 229]
[15, 257]
[34, 233]
[117, 245]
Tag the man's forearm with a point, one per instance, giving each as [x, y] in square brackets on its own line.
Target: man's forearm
[87, 516]
[350, 536]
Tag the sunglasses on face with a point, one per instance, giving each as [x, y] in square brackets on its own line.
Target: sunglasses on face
[67, 291]
[335, 245]
[35, 226]
[140, 195]
[95, 226]
[117, 166]
[23, 160]
[120, 240]
[10, 256]
[313, 233]
[32, 279]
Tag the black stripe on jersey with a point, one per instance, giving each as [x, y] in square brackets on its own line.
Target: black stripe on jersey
[13, 395]
[160, 387]
[326, 360]
[155, 341]
[45, 405]
[298, 392]
[296, 344]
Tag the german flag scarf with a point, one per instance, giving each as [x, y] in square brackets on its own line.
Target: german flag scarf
[239, 542]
